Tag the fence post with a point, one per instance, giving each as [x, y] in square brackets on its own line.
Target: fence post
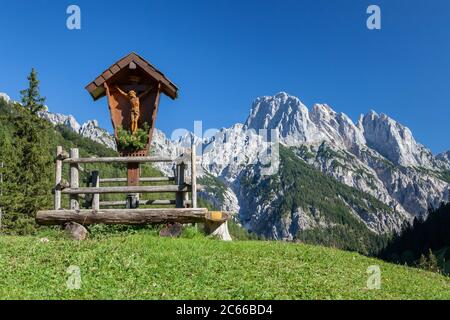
[96, 198]
[74, 180]
[58, 177]
[179, 178]
[194, 175]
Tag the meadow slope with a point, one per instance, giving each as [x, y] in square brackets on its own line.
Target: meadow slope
[144, 266]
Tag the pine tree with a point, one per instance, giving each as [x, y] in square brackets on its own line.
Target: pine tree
[25, 149]
[433, 264]
[423, 262]
[31, 98]
[35, 162]
[9, 156]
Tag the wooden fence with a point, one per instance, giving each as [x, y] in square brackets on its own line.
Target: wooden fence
[182, 186]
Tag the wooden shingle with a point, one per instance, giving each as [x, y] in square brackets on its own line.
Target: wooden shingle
[96, 90]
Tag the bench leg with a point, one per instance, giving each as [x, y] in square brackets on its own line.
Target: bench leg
[218, 229]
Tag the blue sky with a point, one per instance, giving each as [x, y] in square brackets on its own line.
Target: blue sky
[223, 54]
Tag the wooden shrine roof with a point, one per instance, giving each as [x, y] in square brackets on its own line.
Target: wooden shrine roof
[97, 91]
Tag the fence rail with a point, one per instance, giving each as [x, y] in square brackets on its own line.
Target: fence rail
[143, 202]
[131, 189]
[150, 179]
[118, 160]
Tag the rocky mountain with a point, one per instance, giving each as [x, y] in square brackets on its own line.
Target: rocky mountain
[395, 142]
[445, 157]
[89, 129]
[5, 97]
[377, 156]
[61, 119]
[92, 131]
[382, 177]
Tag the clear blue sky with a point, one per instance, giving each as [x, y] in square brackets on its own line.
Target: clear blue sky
[223, 54]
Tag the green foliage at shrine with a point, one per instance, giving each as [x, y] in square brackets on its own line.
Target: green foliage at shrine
[132, 142]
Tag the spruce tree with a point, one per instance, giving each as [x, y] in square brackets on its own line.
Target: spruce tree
[32, 140]
[9, 157]
[31, 98]
[26, 150]
[433, 264]
[423, 262]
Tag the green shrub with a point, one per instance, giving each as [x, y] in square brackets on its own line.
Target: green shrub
[132, 142]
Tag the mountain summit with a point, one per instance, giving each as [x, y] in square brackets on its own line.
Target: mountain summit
[395, 141]
[285, 113]
[296, 124]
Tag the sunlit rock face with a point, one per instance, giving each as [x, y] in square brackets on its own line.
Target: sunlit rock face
[395, 141]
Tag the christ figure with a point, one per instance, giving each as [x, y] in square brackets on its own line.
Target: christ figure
[134, 99]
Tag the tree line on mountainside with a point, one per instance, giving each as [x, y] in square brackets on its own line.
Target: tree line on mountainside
[425, 243]
[327, 200]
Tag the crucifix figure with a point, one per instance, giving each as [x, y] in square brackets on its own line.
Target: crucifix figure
[134, 99]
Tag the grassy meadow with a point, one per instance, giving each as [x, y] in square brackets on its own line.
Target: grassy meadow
[142, 265]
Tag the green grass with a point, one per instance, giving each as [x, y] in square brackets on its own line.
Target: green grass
[144, 266]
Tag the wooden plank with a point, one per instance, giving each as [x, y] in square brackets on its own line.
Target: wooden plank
[124, 61]
[169, 88]
[149, 179]
[99, 81]
[118, 160]
[107, 74]
[74, 180]
[58, 178]
[141, 202]
[91, 87]
[127, 189]
[114, 69]
[152, 72]
[122, 216]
